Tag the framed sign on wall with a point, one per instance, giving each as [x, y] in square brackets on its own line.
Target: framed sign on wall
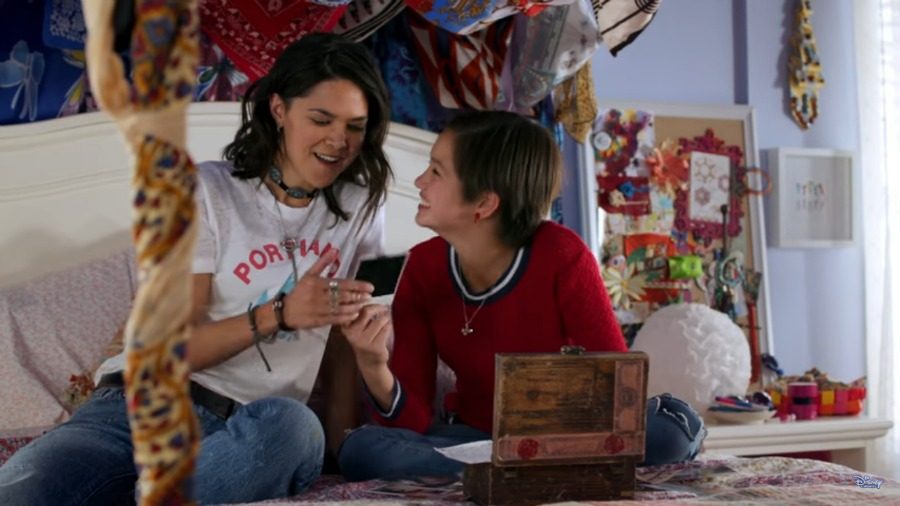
[812, 201]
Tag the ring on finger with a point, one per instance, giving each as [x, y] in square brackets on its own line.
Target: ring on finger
[334, 294]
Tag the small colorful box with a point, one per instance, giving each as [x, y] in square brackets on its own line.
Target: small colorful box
[831, 402]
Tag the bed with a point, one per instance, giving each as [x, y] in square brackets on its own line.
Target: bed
[66, 281]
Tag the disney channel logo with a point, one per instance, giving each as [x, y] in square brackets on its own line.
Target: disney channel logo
[866, 481]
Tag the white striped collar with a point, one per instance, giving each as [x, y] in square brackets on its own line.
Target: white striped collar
[513, 272]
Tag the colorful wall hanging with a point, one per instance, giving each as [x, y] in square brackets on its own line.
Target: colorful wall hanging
[682, 212]
[461, 56]
[804, 69]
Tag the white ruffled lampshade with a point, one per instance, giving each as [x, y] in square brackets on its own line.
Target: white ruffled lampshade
[696, 353]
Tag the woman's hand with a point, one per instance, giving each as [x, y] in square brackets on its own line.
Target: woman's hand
[368, 335]
[316, 301]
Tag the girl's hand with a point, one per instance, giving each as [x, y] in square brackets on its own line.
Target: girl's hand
[368, 335]
[316, 301]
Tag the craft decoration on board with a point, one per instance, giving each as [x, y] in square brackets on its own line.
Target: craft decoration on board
[674, 229]
[668, 168]
[150, 112]
[622, 141]
[637, 181]
[622, 285]
[710, 185]
[702, 229]
[804, 69]
[625, 195]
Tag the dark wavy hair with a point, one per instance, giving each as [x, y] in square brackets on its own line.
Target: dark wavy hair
[512, 156]
[313, 59]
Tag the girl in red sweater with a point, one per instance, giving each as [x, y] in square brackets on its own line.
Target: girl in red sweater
[498, 279]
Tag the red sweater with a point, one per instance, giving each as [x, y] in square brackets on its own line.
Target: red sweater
[552, 295]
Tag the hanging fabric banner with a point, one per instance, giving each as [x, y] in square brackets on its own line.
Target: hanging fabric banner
[150, 112]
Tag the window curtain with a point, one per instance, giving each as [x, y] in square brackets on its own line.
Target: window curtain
[877, 29]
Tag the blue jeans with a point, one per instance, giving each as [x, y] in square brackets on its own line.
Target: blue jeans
[267, 449]
[382, 452]
[674, 434]
[675, 431]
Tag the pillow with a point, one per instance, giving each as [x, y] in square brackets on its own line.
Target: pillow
[54, 328]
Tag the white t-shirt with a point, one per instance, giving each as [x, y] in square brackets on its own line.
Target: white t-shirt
[239, 242]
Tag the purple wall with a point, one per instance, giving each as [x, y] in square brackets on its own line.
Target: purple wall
[710, 51]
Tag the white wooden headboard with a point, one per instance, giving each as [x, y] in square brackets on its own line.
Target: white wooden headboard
[65, 194]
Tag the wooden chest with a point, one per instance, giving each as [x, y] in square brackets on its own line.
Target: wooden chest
[567, 427]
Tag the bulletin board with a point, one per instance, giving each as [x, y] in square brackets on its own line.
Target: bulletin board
[679, 195]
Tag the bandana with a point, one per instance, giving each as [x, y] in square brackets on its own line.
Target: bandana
[253, 33]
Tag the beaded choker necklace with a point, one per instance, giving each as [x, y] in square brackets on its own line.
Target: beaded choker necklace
[294, 193]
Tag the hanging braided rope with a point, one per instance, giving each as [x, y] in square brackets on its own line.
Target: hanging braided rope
[151, 114]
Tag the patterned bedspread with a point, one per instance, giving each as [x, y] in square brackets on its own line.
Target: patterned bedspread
[706, 481]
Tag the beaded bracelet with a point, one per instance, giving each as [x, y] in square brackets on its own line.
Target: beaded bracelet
[257, 337]
[278, 304]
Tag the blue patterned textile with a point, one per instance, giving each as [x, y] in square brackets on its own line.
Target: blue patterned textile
[36, 81]
[412, 101]
[64, 24]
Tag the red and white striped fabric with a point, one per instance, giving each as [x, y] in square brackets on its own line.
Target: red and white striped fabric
[462, 70]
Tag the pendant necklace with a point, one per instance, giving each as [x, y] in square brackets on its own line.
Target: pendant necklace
[467, 329]
[496, 288]
[288, 243]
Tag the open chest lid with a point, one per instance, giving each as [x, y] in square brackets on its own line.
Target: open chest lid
[569, 408]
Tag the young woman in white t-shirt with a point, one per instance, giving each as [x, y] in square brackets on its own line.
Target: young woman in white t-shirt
[283, 222]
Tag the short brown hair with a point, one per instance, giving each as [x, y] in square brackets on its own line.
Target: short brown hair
[512, 156]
